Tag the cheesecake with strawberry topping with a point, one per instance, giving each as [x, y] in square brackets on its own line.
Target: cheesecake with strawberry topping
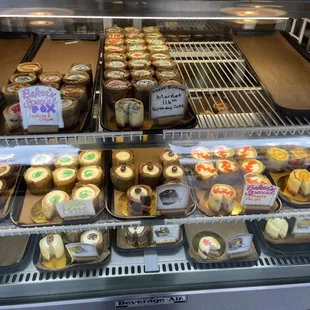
[245, 152]
[251, 165]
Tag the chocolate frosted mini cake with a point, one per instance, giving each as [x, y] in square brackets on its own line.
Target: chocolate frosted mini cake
[116, 90]
[141, 89]
[129, 112]
[87, 192]
[116, 74]
[150, 174]
[10, 92]
[33, 67]
[123, 176]
[24, 77]
[139, 64]
[137, 236]
[122, 157]
[139, 200]
[77, 92]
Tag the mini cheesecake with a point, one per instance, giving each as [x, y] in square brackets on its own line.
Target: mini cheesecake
[228, 171]
[223, 152]
[150, 29]
[123, 176]
[138, 55]
[154, 41]
[150, 174]
[39, 180]
[251, 166]
[93, 237]
[8, 173]
[139, 64]
[173, 171]
[82, 67]
[158, 48]
[64, 179]
[129, 112]
[134, 35]
[78, 92]
[160, 56]
[153, 35]
[114, 41]
[122, 157]
[175, 81]
[245, 152]
[167, 156]
[164, 64]
[50, 200]
[78, 78]
[52, 246]
[142, 74]
[136, 48]
[33, 67]
[137, 236]
[50, 78]
[4, 192]
[10, 92]
[255, 178]
[90, 157]
[24, 77]
[116, 35]
[277, 159]
[116, 74]
[132, 30]
[115, 49]
[67, 160]
[42, 160]
[164, 74]
[114, 29]
[135, 41]
[206, 172]
[299, 181]
[277, 228]
[13, 116]
[115, 64]
[139, 200]
[222, 197]
[87, 192]
[90, 175]
[299, 158]
[114, 56]
[141, 89]
[116, 90]
[70, 112]
[222, 108]
[201, 153]
[209, 248]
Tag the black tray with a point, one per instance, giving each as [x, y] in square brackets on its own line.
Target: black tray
[277, 249]
[24, 262]
[223, 264]
[283, 197]
[79, 266]
[19, 196]
[169, 246]
[110, 200]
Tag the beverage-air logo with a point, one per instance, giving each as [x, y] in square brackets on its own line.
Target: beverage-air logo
[129, 303]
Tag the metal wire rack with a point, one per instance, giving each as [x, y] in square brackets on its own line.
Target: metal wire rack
[217, 72]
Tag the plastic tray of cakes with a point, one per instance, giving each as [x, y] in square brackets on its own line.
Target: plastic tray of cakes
[73, 249]
[149, 237]
[148, 183]
[220, 243]
[61, 188]
[136, 62]
[75, 88]
[280, 235]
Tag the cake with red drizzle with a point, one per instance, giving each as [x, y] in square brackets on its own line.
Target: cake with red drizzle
[209, 248]
[228, 171]
[206, 172]
[256, 178]
[245, 152]
[201, 153]
[13, 116]
[222, 151]
[251, 165]
[222, 197]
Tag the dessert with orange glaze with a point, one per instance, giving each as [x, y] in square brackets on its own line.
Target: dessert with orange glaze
[256, 178]
[228, 171]
[277, 159]
[251, 165]
[222, 151]
[299, 181]
[206, 172]
[201, 153]
[245, 152]
[222, 196]
[299, 158]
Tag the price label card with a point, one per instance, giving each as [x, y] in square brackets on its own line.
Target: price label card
[168, 100]
[239, 243]
[40, 106]
[172, 197]
[75, 208]
[259, 194]
[165, 233]
[301, 226]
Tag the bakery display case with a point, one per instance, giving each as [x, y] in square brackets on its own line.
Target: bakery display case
[178, 169]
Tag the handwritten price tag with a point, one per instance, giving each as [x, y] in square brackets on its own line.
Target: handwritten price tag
[168, 100]
[259, 194]
[40, 106]
[75, 208]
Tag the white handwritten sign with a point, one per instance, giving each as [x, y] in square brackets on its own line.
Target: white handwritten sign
[259, 194]
[168, 100]
[75, 208]
[40, 105]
